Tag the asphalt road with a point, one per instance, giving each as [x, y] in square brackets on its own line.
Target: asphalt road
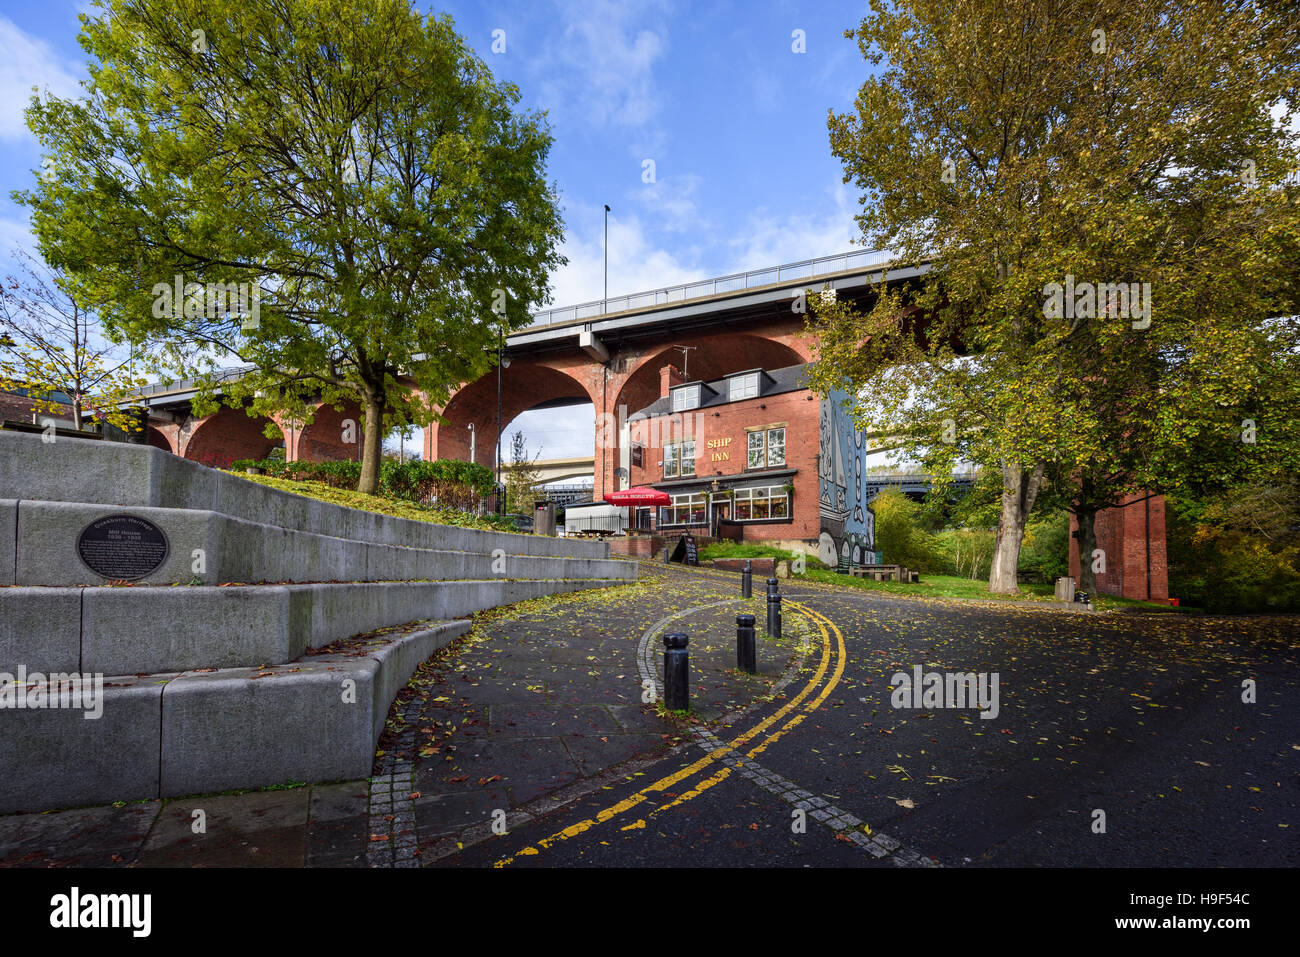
[1138, 716]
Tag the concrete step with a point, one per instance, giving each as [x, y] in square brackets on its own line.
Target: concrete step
[38, 546]
[134, 630]
[140, 476]
[318, 718]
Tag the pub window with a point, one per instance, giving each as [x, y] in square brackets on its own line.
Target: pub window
[766, 448]
[636, 456]
[764, 502]
[775, 447]
[670, 461]
[687, 509]
[679, 459]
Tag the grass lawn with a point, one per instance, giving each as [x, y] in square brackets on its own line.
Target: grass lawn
[732, 550]
[396, 507]
[932, 586]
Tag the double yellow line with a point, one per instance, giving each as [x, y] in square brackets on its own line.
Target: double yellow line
[804, 698]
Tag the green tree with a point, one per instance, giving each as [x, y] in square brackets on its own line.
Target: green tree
[522, 477]
[351, 163]
[1016, 145]
[49, 342]
[900, 537]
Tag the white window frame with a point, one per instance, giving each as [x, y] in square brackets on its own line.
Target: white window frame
[686, 397]
[742, 387]
[672, 460]
[676, 455]
[679, 513]
[765, 459]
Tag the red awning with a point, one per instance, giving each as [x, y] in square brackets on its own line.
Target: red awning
[639, 496]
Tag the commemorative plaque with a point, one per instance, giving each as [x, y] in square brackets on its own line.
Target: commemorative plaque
[122, 547]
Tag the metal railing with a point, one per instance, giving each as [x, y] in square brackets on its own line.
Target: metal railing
[596, 524]
[808, 269]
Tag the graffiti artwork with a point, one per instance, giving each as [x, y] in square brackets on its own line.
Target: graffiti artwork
[848, 525]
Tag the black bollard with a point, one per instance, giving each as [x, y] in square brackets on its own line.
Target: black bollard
[746, 647]
[773, 609]
[747, 580]
[677, 673]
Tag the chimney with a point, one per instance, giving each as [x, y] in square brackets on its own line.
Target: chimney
[669, 376]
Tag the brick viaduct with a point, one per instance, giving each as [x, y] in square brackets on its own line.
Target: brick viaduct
[612, 354]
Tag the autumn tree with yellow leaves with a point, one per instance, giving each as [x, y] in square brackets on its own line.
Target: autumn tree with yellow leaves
[1102, 192]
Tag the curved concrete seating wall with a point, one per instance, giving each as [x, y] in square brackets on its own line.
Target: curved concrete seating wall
[116, 473]
[39, 543]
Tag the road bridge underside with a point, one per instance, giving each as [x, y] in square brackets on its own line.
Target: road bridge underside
[617, 389]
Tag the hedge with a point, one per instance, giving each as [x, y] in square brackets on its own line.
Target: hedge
[446, 482]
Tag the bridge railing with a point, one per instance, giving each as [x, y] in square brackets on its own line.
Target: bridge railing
[807, 269]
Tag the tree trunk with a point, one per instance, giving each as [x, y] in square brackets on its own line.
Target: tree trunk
[1086, 536]
[372, 443]
[1019, 489]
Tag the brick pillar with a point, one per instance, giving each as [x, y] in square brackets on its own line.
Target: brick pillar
[605, 449]
[1132, 536]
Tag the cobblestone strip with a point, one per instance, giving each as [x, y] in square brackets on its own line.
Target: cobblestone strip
[645, 652]
[878, 844]
[392, 836]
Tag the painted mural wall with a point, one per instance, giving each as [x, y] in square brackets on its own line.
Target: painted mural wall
[848, 525]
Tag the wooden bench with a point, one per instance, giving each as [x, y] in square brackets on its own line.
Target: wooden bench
[893, 573]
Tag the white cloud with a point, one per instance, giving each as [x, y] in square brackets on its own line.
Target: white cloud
[774, 237]
[603, 64]
[635, 263]
[27, 61]
[671, 201]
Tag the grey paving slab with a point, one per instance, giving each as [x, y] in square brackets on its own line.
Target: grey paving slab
[104, 836]
[440, 814]
[337, 830]
[256, 829]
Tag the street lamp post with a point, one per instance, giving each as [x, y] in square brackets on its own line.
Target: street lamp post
[471, 443]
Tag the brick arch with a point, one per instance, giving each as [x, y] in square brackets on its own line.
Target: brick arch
[229, 435]
[159, 440]
[713, 357]
[524, 385]
[322, 440]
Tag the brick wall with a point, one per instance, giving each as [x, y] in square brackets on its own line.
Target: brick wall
[640, 546]
[323, 439]
[630, 381]
[18, 408]
[1129, 535]
[797, 411]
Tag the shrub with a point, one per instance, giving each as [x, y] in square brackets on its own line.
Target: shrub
[449, 483]
[899, 534]
[1232, 571]
[966, 552]
[1045, 551]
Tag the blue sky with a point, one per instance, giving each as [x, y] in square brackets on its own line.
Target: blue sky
[733, 119]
